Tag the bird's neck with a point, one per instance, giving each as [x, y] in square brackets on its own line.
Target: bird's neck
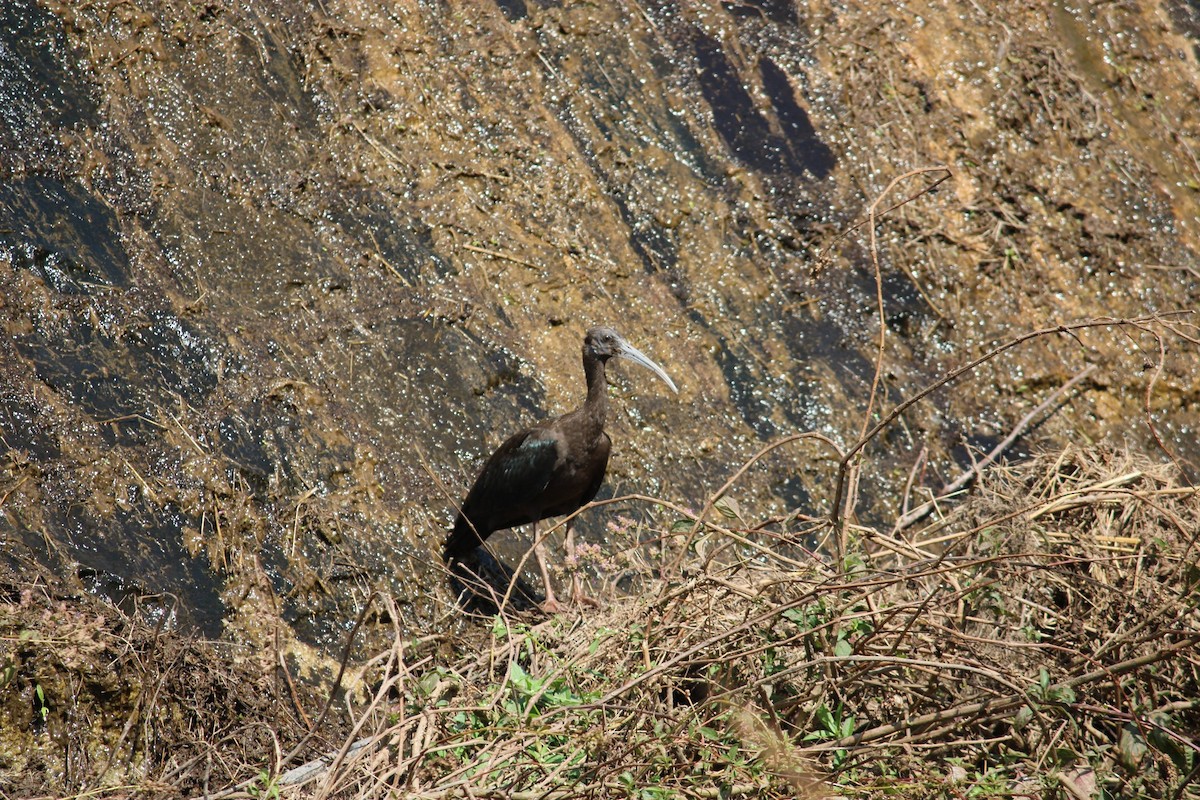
[596, 406]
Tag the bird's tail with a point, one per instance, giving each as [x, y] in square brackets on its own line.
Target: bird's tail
[461, 541]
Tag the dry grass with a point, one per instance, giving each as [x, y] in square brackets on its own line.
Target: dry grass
[1048, 645]
[1039, 639]
[95, 701]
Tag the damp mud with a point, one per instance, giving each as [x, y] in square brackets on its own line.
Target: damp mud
[276, 278]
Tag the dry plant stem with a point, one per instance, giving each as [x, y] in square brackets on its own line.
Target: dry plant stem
[536, 549]
[499, 255]
[874, 246]
[298, 776]
[840, 493]
[918, 513]
[1002, 706]
[841, 531]
[865, 588]
[134, 717]
[897, 546]
[600, 789]
[952, 665]
[1128, 636]
[1186, 782]
[1143, 721]
[354, 744]
[1158, 368]
[281, 662]
[748, 624]
[823, 258]
[538, 541]
[725, 487]
[765, 551]
[917, 467]
[9, 493]
[933, 667]
[966, 535]
[1096, 494]
[337, 683]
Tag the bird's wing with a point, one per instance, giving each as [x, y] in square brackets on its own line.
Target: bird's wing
[509, 488]
[521, 467]
[507, 492]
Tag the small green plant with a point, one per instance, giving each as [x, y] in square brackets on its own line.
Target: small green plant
[992, 782]
[39, 701]
[263, 785]
[547, 694]
[8, 672]
[986, 596]
[833, 726]
[808, 617]
[602, 633]
[855, 628]
[853, 562]
[1031, 633]
[1043, 692]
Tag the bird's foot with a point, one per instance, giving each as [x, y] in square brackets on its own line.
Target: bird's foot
[551, 605]
[581, 598]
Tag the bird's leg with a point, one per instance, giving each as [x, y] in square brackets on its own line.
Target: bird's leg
[573, 562]
[550, 605]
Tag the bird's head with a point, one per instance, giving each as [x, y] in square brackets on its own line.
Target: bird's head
[604, 343]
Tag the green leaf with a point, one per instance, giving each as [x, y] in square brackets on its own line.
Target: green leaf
[729, 508]
[1065, 757]
[1022, 718]
[1180, 756]
[1131, 747]
[522, 680]
[797, 616]
[824, 717]
[1064, 694]
[601, 634]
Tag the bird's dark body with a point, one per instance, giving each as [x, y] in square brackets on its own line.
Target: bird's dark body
[550, 469]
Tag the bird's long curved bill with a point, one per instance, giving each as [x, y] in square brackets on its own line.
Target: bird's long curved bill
[633, 354]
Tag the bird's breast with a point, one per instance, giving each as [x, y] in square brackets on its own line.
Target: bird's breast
[583, 464]
[579, 473]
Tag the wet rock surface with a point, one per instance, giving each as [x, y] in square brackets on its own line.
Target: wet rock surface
[275, 278]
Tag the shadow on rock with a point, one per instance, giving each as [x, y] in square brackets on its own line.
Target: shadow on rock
[483, 584]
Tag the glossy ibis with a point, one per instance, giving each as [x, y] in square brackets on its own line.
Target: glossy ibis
[550, 469]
